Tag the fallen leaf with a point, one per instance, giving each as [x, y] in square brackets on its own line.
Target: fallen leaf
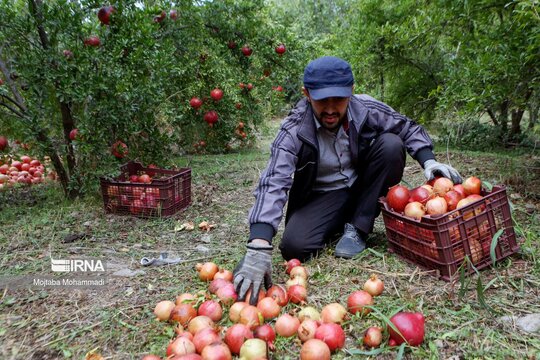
[206, 226]
[185, 226]
[93, 356]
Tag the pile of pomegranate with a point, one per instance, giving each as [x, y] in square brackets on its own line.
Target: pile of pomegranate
[212, 324]
[23, 171]
[434, 198]
[138, 199]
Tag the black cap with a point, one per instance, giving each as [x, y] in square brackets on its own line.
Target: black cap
[328, 76]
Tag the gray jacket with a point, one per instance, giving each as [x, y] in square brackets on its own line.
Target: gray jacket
[292, 168]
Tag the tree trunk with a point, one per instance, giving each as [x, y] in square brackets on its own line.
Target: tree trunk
[533, 114]
[517, 115]
[67, 118]
[503, 116]
[493, 116]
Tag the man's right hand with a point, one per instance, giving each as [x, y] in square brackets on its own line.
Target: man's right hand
[252, 270]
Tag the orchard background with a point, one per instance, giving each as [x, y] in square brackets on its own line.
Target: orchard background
[468, 71]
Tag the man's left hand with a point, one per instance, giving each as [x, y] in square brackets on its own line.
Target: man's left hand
[433, 167]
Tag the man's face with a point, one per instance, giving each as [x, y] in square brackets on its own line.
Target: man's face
[330, 112]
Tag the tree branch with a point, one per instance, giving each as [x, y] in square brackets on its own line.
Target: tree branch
[36, 6]
[12, 109]
[19, 100]
[14, 102]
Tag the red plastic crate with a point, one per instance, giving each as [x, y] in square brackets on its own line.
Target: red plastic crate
[441, 243]
[168, 193]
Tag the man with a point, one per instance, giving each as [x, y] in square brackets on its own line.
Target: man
[334, 155]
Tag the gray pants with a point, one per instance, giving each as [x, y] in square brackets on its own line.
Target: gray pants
[323, 216]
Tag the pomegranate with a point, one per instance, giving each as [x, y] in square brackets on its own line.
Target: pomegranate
[287, 325]
[297, 294]
[3, 141]
[224, 274]
[291, 264]
[207, 270]
[333, 313]
[200, 322]
[459, 189]
[212, 309]
[269, 308]
[226, 294]
[411, 327]
[265, 332]
[280, 49]
[307, 329]
[398, 197]
[452, 198]
[315, 349]
[216, 351]
[309, 312]
[253, 349]
[472, 185]
[73, 134]
[180, 346]
[420, 194]
[234, 311]
[145, 179]
[236, 335]
[247, 51]
[183, 313]
[296, 281]
[374, 286]
[429, 188]
[119, 149]
[205, 337]
[436, 206]
[442, 185]
[216, 284]
[373, 336]
[278, 293]
[299, 271]
[357, 300]
[216, 94]
[163, 310]
[415, 210]
[251, 317]
[195, 102]
[159, 18]
[211, 117]
[332, 334]
[104, 14]
[173, 14]
[92, 41]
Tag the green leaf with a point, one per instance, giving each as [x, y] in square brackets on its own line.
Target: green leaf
[493, 246]
[464, 284]
[386, 320]
[376, 253]
[401, 351]
[480, 294]
[487, 185]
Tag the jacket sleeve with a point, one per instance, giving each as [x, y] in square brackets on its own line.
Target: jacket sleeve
[271, 193]
[385, 119]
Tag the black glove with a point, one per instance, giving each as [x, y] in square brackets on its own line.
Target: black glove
[252, 270]
[433, 167]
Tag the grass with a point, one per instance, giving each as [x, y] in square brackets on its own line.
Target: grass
[117, 321]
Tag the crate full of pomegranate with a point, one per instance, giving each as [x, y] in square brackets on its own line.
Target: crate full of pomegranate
[443, 226]
[147, 191]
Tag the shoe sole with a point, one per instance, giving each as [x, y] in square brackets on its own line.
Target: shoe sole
[345, 255]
